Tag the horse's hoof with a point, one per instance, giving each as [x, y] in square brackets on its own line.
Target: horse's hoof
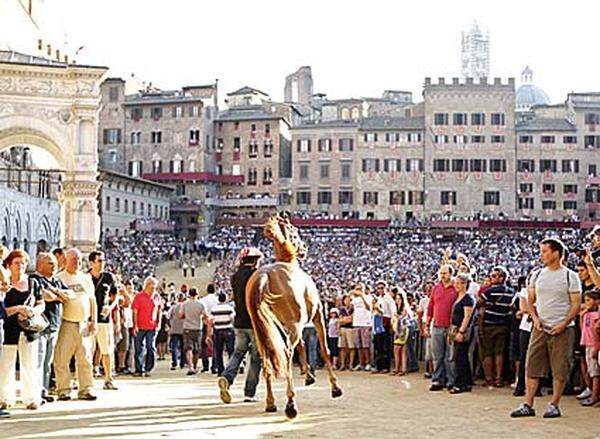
[310, 379]
[271, 409]
[290, 411]
[336, 392]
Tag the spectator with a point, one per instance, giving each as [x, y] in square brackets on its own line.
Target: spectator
[3, 316]
[147, 314]
[385, 309]
[55, 292]
[361, 327]
[176, 334]
[496, 303]
[591, 340]
[23, 300]
[401, 329]
[439, 313]
[461, 332]
[554, 303]
[78, 327]
[333, 336]
[125, 344]
[346, 341]
[194, 314]
[222, 319]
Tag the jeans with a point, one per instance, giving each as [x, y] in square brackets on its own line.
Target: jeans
[47, 344]
[176, 347]
[224, 340]
[311, 344]
[441, 350]
[145, 346]
[463, 369]
[524, 337]
[244, 342]
[412, 363]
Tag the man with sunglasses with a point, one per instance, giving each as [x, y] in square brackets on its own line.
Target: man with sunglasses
[106, 290]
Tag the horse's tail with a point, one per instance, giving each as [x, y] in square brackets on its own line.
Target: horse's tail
[267, 335]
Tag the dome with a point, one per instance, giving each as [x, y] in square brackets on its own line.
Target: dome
[529, 94]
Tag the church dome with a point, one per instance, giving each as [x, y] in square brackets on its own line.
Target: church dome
[529, 94]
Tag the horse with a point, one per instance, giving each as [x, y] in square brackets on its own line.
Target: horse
[281, 298]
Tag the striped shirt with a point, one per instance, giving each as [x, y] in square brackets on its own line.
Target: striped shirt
[497, 301]
[223, 315]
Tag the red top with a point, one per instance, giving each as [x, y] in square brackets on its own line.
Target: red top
[440, 305]
[148, 310]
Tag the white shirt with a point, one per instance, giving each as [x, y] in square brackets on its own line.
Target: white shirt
[78, 309]
[387, 305]
[423, 305]
[361, 316]
[209, 301]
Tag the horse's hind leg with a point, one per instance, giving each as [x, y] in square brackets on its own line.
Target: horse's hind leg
[271, 407]
[319, 322]
[291, 410]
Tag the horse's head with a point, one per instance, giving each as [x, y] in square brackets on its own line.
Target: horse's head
[280, 229]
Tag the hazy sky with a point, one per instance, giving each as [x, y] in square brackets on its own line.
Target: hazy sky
[355, 48]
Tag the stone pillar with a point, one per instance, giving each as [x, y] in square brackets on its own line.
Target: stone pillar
[80, 222]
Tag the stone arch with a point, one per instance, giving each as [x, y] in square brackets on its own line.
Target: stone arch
[345, 113]
[55, 108]
[355, 113]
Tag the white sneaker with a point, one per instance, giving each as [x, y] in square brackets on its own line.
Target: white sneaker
[367, 368]
[357, 368]
[585, 394]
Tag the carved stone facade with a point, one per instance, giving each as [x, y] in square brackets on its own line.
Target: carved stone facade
[55, 107]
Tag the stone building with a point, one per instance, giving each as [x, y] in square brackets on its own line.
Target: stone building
[299, 86]
[160, 135]
[127, 202]
[253, 155]
[470, 153]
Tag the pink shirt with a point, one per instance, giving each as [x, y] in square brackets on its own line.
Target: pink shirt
[588, 330]
[148, 308]
[440, 305]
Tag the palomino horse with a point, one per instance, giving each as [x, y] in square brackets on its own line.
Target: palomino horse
[281, 298]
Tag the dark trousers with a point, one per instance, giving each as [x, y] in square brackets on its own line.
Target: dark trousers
[204, 352]
[462, 367]
[224, 340]
[177, 353]
[381, 345]
[524, 337]
[145, 350]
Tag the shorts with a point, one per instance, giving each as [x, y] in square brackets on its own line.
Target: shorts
[332, 344]
[549, 353]
[123, 344]
[345, 339]
[592, 357]
[361, 337]
[494, 340]
[191, 340]
[106, 338]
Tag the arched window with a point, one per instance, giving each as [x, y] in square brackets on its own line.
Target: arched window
[345, 114]
[355, 113]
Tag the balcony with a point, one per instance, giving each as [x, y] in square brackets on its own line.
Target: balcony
[202, 177]
[242, 202]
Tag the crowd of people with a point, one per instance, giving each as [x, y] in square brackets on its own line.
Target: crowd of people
[503, 307]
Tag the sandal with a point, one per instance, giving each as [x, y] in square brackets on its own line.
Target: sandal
[498, 384]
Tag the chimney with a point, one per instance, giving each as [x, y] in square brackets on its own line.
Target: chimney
[441, 80]
[469, 81]
[511, 82]
[483, 80]
[454, 81]
[48, 50]
[497, 81]
[428, 81]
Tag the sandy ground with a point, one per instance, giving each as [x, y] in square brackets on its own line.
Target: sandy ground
[170, 404]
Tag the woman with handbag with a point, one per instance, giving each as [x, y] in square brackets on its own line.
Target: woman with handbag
[461, 331]
[24, 305]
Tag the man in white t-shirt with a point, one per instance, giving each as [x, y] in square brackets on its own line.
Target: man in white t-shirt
[76, 331]
[361, 326]
[209, 301]
[554, 302]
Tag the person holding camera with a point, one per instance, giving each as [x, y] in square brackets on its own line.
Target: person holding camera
[22, 301]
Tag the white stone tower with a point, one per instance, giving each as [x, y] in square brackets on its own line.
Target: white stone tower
[475, 53]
